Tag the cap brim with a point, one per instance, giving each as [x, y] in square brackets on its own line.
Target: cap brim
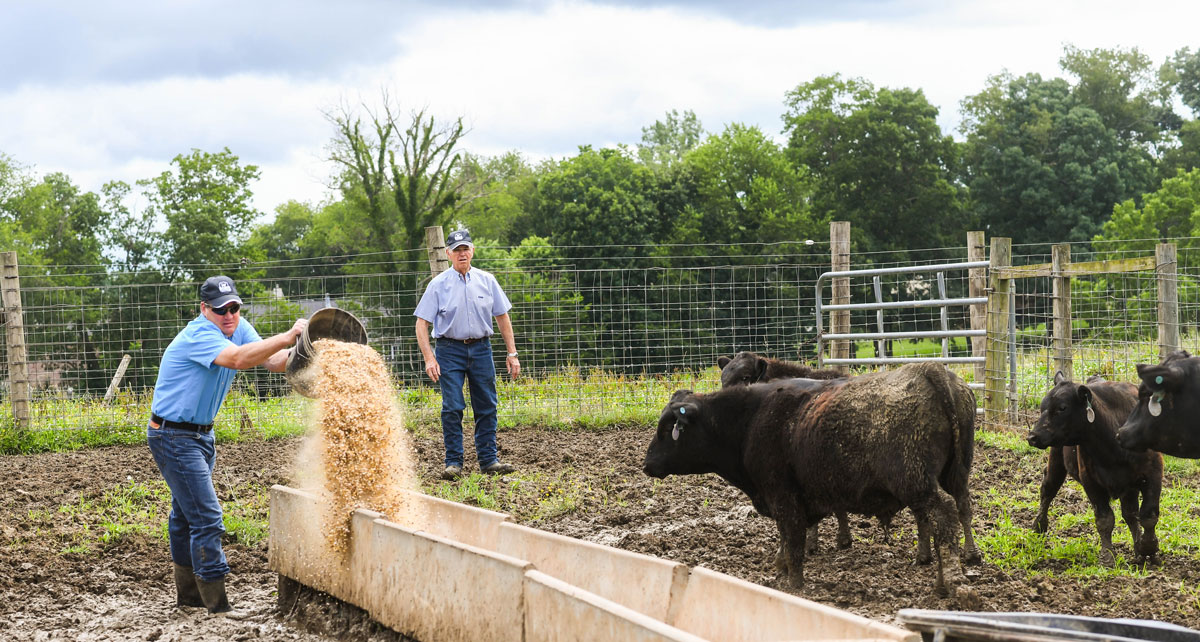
[454, 245]
[221, 302]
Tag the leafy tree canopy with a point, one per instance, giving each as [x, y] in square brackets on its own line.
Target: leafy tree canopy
[878, 159]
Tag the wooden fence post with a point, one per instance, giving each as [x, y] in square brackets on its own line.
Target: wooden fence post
[435, 245]
[18, 368]
[116, 380]
[977, 287]
[839, 256]
[1168, 298]
[1061, 289]
[997, 331]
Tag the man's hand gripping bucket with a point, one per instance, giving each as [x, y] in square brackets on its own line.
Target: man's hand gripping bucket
[326, 323]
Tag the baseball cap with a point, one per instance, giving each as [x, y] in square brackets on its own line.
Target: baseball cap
[457, 238]
[219, 291]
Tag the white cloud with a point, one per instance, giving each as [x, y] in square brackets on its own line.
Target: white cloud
[544, 78]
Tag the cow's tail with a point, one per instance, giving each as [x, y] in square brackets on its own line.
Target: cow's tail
[958, 402]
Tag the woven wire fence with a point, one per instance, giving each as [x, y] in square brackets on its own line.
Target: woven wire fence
[593, 325]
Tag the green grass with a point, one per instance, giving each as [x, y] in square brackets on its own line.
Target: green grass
[132, 509]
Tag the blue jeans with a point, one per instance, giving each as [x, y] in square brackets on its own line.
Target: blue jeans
[472, 362]
[186, 459]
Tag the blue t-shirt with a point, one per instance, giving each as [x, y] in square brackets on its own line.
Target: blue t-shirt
[462, 306]
[190, 386]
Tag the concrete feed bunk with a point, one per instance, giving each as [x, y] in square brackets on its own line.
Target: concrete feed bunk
[426, 580]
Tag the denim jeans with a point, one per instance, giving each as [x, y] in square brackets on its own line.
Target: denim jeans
[474, 363]
[186, 459]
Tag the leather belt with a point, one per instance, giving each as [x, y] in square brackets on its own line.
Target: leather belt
[465, 341]
[180, 425]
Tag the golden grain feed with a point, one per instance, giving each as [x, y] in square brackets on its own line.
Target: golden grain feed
[364, 453]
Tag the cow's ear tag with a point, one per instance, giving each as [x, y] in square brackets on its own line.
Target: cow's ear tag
[683, 411]
[1158, 380]
[675, 431]
[1155, 404]
[1091, 414]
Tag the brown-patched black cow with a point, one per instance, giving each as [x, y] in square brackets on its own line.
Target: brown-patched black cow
[1168, 406]
[871, 445]
[748, 367]
[1078, 423]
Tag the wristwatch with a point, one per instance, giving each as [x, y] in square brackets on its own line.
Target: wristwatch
[512, 354]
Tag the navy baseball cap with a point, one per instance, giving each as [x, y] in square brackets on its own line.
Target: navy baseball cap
[457, 238]
[219, 291]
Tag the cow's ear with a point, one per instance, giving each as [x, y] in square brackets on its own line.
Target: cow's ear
[760, 369]
[1159, 377]
[1059, 377]
[1085, 394]
[680, 395]
[722, 362]
[686, 414]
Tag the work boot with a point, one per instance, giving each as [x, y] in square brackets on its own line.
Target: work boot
[186, 591]
[213, 595]
[497, 468]
[452, 472]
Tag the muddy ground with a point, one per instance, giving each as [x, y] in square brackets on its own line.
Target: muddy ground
[125, 591]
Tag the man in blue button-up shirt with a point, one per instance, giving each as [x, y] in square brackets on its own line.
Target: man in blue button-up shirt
[460, 304]
[194, 377]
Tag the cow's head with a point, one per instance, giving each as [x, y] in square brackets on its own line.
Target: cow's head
[1066, 414]
[1167, 410]
[743, 369]
[681, 445]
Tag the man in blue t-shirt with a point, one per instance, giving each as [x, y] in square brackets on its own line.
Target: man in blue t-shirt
[460, 304]
[196, 373]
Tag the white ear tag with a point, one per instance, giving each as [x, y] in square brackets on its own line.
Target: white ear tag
[675, 432]
[1091, 414]
[1155, 405]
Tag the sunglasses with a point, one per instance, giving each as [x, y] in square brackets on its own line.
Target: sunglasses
[226, 310]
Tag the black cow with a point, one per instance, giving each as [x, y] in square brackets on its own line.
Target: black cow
[871, 445]
[1079, 424]
[747, 368]
[1168, 408]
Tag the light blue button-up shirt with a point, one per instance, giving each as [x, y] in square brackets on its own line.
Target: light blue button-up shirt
[190, 386]
[461, 306]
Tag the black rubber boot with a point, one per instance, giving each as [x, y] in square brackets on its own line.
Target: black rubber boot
[186, 591]
[213, 594]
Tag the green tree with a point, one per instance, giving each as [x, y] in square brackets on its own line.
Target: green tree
[1124, 89]
[600, 203]
[1169, 214]
[507, 189]
[878, 159]
[131, 243]
[1182, 71]
[667, 141]
[746, 192]
[205, 200]
[404, 177]
[1043, 167]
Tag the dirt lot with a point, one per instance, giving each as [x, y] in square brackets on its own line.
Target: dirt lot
[125, 592]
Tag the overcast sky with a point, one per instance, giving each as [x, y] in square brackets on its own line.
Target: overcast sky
[106, 91]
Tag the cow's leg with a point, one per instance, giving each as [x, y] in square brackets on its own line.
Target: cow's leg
[1052, 479]
[793, 530]
[1105, 520]
[970, 554]
[813, 542]
[1129, 513]
[924, 534]
[843, 536]
[1147, 548]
